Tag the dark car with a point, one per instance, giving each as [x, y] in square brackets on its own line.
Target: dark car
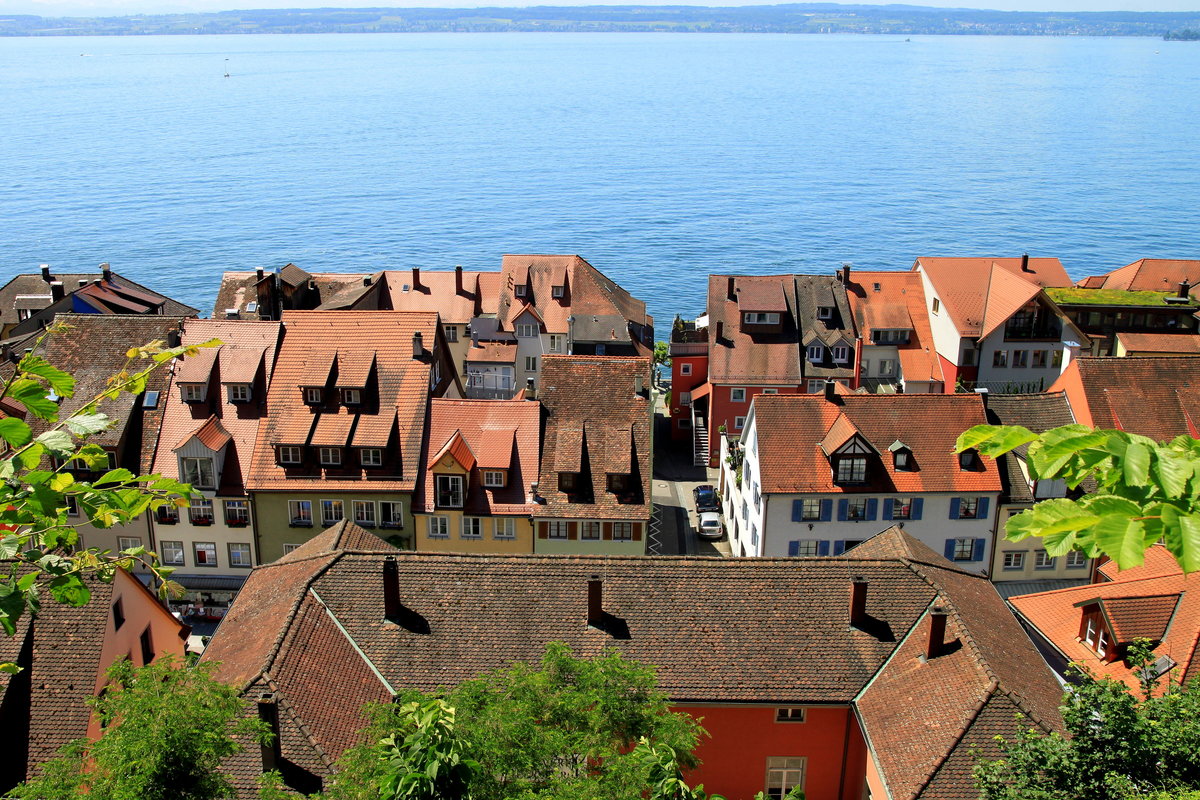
[706, 498]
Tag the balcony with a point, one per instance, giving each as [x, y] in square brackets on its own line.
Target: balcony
[1038, 330]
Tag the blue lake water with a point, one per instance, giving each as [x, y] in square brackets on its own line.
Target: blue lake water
[658, 157]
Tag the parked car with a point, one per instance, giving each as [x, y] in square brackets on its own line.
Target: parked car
[710, 525]
[706, 498]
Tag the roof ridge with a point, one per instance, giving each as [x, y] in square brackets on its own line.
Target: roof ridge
[988, 694]
[1109, 583]
[965, 630]
[277, 645]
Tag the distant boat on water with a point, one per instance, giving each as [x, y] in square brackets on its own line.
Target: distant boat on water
[227, 68]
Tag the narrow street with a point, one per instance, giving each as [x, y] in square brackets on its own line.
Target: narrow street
[673, 530]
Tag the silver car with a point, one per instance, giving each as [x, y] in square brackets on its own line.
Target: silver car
[710, 525]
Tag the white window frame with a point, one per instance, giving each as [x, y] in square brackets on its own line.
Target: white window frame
[330, 456]
[739, 423]
[531, 363]
[622, 531]
[557, 530]
[558, 291]
[470, 528]
[239, 393]
[887, 368]
[824, 312]
[439, 527]
[351, 397]
[332, 512]
[300, 513]
[808, 547]
[198, 462]
[557, 340]
[525, 330]
[128, 542]
[170, 552]
[1043, 560]
[290, 548]
[815, 351]
[192, 392]
[504, 528]
[198, 547]
[841, 354]
[810, 510]
[685, 369]
[394, 516]
[235, 549]
[493, 478]
[519, 290]
[816, 385]
[790, 714]
[454, 493]
[364, 513]
[589, 531]
[371, 457]
[783, 774]
[237, 512]
[314, 395]
[451, 332]
[201, 511]
[1014, 559]
[737, 394]
[1076, 559]
[290, 454]
[851, 469]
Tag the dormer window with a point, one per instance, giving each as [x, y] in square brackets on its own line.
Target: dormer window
[901, 459]
[841, 354]
[568, 481]
[968, 459]
[372, 457]
[494, 478]
[239, 393]
[618, 483]
[313, 395]
[851, 469]
[192, 392]
[557, 291]
[198, 472]
[289, 454]
[526, 330]
[519, 290]
[825, 312]
[449, 491]
[330, 456]
[760, 318]
[816, 352]
[351, 397]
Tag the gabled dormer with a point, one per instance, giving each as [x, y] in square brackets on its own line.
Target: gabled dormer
[355, 373]
[451, 469]
[815, 351]
[1108, 625]
[202, 455]
[850, 454]
[240, 369]
[194, 375]
[560, 290]
[319, 372]
[902, 457]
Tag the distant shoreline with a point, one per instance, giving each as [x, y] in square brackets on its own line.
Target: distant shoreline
[899, 20]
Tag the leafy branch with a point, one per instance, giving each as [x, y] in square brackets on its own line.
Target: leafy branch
[1146, 491]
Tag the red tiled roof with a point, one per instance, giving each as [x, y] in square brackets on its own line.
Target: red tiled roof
[484, 434]
[592, 404]
[1005, 295]
[899, 293]
[211, 434]
[762, 296]
[354, 366]
[196, 368]
[1149, 275]
[1154, 396]
[965, 285]
[312, 340]
[1156, 598]
[751, 358]
[1157, 561]
[493, 352]
[791, 429]
[244, 342]
[464, 615]
[1160, 342]
[438, 291]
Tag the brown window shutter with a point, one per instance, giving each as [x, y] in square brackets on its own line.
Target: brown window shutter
[606, 531]
[543, 530]
[636, 528]
[572, 530]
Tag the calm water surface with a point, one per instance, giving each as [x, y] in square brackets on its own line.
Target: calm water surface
[660, 158]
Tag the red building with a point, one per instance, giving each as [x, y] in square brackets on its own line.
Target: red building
[871, 674]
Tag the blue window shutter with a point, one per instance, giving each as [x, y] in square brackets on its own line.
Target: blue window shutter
[887, 508]
[797, 510]
[954, 507]
[978, 554]
[872, 508]
[843, 509]
[839, 546]
[793, 548]
[826, 510]
[916, 508]
[949, 552]
[823, 547]
[982, 511]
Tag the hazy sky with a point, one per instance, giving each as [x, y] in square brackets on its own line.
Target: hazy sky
[116, 7]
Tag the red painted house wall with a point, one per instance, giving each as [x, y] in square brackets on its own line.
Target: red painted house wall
[685, 383]
[741, 738]
[723, 411]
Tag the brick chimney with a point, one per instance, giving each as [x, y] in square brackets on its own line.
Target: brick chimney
[418, 345]
[366, 280]
[730, 291]
[1025, 263]
[416, 277]
[46, 276]
[1185, 288]
[831, 391]
[258, 274]
[937, 632]
[57, 292]
[595, 602]
[458, 287]
[844, 273]
[391, 590]
[858, 601]
[106, 272]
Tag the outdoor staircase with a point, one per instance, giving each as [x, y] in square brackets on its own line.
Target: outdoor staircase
[699, 441]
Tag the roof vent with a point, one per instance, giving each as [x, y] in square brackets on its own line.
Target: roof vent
[418, 345]
[366, 280]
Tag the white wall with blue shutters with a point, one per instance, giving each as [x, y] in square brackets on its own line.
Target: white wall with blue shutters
[834, 523]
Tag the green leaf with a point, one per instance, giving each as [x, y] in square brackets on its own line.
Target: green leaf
[1136, 464]
[1121, 538]
[1188, 553]
[62, 383]
[994, 440]
[1056, 447]
[1048, 518]
[1174, 469]
[30, 457]
[15, 432]
[57, 442]
[10, 668]
[32, 395]
[86, 424]
[70, 590]
[119, 475]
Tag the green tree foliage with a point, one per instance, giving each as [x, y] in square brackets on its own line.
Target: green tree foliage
[166, 730]
[565, 728]
[1119, 744]
[425, 761]
[1145, 491]
[38, 541]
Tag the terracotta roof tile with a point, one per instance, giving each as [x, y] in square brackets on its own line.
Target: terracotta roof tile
[897, 290]
[963, 284]
[1148, 275]
[211, 434]
[439, 291]
[736, 357]
[1155, 396]
[791, 429]
[241, 365]
[493, 352]
[1140, 617]
[489, 434]
[1160, 342]
[598, 395]
[354, 367]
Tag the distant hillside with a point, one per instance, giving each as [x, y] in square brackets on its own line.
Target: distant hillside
[792, 18]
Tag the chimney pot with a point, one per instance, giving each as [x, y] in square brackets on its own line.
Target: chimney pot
[595, 602]
[106, 272]
[83, 282]
[418, 345]
[730, 292]
[937, 632]
[258, 273]
[366, 280]
[1025, 263]
[46, 273]
[391, 590]
[845, 273]
[858, 601]
[830, 391]
[57, 292]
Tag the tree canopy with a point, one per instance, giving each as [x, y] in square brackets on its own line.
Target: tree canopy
[1145, 491]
